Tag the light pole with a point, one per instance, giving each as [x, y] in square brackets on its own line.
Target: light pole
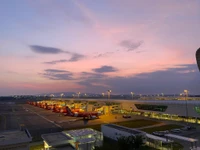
[51, 95]
[132, 93]
[103, 94]
[186, 94]
[109, 91]
[78, 94]
[61, 95]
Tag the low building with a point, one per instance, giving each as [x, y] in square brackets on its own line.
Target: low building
[82, 139]
[114, 131]
[15, 140]
[57, 140]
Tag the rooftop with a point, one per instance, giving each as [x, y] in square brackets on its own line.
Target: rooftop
[66, 147]
[80, 132]
[56, 139]
[86, 140]
[181, 138]
[14, 137]
[157, 138]
[125, 129]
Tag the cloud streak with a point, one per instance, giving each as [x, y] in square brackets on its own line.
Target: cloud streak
[53, 50]
[46, 50]
[74, 57]
[185, 76]
[130, 45]
[55, 74]
[105, 69]
[103, 54]
[56, 61]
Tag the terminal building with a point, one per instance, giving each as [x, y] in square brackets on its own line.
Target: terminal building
[15, 140]
[82, 139]
[114, 131]
[177, 110]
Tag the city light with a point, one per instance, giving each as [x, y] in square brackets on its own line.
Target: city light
[79, 94]
[132, 93]
[109, 91]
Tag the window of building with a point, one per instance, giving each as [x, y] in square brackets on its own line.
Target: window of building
[161, 108]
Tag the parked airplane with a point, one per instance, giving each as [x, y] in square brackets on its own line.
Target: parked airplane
[85, 115]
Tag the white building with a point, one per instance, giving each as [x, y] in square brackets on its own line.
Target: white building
[15, 140]
[57, 140]
[114, 131]
[82, 139]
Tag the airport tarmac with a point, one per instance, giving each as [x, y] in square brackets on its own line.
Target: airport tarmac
[67, 122]
[13, 116]
[8, 119]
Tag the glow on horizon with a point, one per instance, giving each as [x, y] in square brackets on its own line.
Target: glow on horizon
[120, 39]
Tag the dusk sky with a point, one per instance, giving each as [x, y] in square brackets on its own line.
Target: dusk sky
[144, 46]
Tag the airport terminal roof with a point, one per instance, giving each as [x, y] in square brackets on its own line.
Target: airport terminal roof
[14, 137]
[181, 138]
[81, 132]
[66, 147]
[125, 129]
[86, 140]
[157, 138]
[56, 139]
[193, 102]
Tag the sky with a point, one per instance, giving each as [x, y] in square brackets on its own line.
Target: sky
[145, 47]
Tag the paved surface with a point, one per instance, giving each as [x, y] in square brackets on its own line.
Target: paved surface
[155, 125]
[190, 134]
[40, 121]
[67, 122]
[8, 119]
[13, 116]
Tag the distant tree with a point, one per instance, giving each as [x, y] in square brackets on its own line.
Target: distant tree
[130, 142]
[138, 141]
[104, 147]
[123, 143]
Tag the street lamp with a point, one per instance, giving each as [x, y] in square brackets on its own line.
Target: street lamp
[51, 95]
[132, 93]
[109, 91]
[186, 95]
[61, 95]
[78, 94]
[103, 94]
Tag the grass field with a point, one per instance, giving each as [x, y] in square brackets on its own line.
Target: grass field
[162, 128]
[137, 123]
